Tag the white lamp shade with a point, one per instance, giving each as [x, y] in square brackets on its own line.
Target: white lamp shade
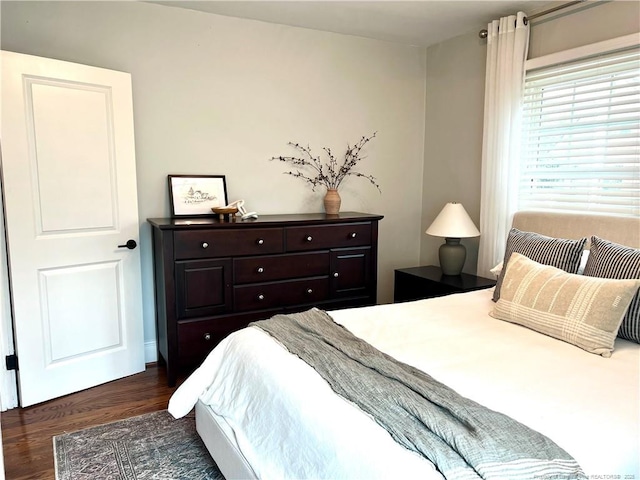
[453, 222]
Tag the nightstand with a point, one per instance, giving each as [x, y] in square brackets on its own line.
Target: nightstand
[427, 282]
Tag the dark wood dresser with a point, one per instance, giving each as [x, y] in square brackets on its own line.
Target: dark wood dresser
[212, 277]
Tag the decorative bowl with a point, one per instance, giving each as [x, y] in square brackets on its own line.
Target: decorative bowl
[229, 212]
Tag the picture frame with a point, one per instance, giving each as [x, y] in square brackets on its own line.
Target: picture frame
[196, 195]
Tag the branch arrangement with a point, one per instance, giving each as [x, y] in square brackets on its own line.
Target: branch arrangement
[328, 174]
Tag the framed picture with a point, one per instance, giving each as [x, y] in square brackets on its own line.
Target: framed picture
[193, 195]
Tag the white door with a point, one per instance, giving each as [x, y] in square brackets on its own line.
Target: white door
[69, 181]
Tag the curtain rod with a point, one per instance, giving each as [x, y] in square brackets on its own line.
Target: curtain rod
[483, 33]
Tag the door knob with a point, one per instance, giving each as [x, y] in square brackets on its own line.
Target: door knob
[131, 244]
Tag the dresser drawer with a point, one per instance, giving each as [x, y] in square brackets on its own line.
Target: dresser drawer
[280, 294]
[233, 242]
[327, 236]
[196, 338]
[280, 267]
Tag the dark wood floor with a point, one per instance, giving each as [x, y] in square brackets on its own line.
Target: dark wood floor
[27, 432]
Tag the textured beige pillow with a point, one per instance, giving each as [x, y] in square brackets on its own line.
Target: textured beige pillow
[583, 311]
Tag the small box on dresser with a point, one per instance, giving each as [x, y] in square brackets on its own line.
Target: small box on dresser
[212, 277]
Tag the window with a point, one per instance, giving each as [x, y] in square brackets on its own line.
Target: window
[581, 143]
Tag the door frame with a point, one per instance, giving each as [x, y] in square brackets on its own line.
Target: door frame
[8, 380]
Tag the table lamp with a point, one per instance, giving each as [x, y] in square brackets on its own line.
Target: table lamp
[452, 223]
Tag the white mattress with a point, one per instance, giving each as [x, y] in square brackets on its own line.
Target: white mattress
[288, 424]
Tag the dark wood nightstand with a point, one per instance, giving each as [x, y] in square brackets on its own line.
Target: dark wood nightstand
[427, 282]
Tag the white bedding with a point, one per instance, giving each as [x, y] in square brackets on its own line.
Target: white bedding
[288, 424]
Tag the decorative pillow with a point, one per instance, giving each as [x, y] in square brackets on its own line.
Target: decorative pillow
[583, 311]
[583, 263]
[557, 252]
[611, 260]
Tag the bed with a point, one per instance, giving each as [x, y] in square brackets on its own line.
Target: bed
[263, 412]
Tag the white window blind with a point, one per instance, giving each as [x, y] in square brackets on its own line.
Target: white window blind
[581, 144]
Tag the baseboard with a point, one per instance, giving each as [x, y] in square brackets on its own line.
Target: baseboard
[150, 352]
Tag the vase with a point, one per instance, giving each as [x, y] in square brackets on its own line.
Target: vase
[332, 201]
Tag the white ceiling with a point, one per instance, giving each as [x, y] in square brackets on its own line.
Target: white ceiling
[417, 22]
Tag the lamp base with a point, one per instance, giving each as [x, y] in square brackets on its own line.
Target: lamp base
[452, 256]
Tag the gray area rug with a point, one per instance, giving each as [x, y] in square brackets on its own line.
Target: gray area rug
[151, 446]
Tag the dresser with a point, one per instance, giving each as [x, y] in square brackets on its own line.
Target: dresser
[213, 277]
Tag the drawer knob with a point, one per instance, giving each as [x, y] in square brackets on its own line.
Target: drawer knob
[336, 274]
[260, 241]
[309, 291]
[261, 297]
[354, 235]
[205, 245]
[207, 336]
[309, 238]
[260, 270]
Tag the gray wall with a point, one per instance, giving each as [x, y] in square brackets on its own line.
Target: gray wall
[453, 137]
[583, 25]
[455, 106]
[221, 95]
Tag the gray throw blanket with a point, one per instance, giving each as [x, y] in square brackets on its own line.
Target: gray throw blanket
[460, 437]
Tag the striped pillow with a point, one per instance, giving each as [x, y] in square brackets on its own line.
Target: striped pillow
[584, 311]
[611, 260]
[556, 252]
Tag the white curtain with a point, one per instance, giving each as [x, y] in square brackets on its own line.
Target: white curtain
[507, 47]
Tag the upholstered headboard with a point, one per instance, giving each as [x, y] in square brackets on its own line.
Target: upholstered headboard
[623, 230]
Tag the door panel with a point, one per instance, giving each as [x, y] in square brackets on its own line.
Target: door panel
[89, 320]
[203, 287]
[74, 187]
[68, 171]
[350, 277]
